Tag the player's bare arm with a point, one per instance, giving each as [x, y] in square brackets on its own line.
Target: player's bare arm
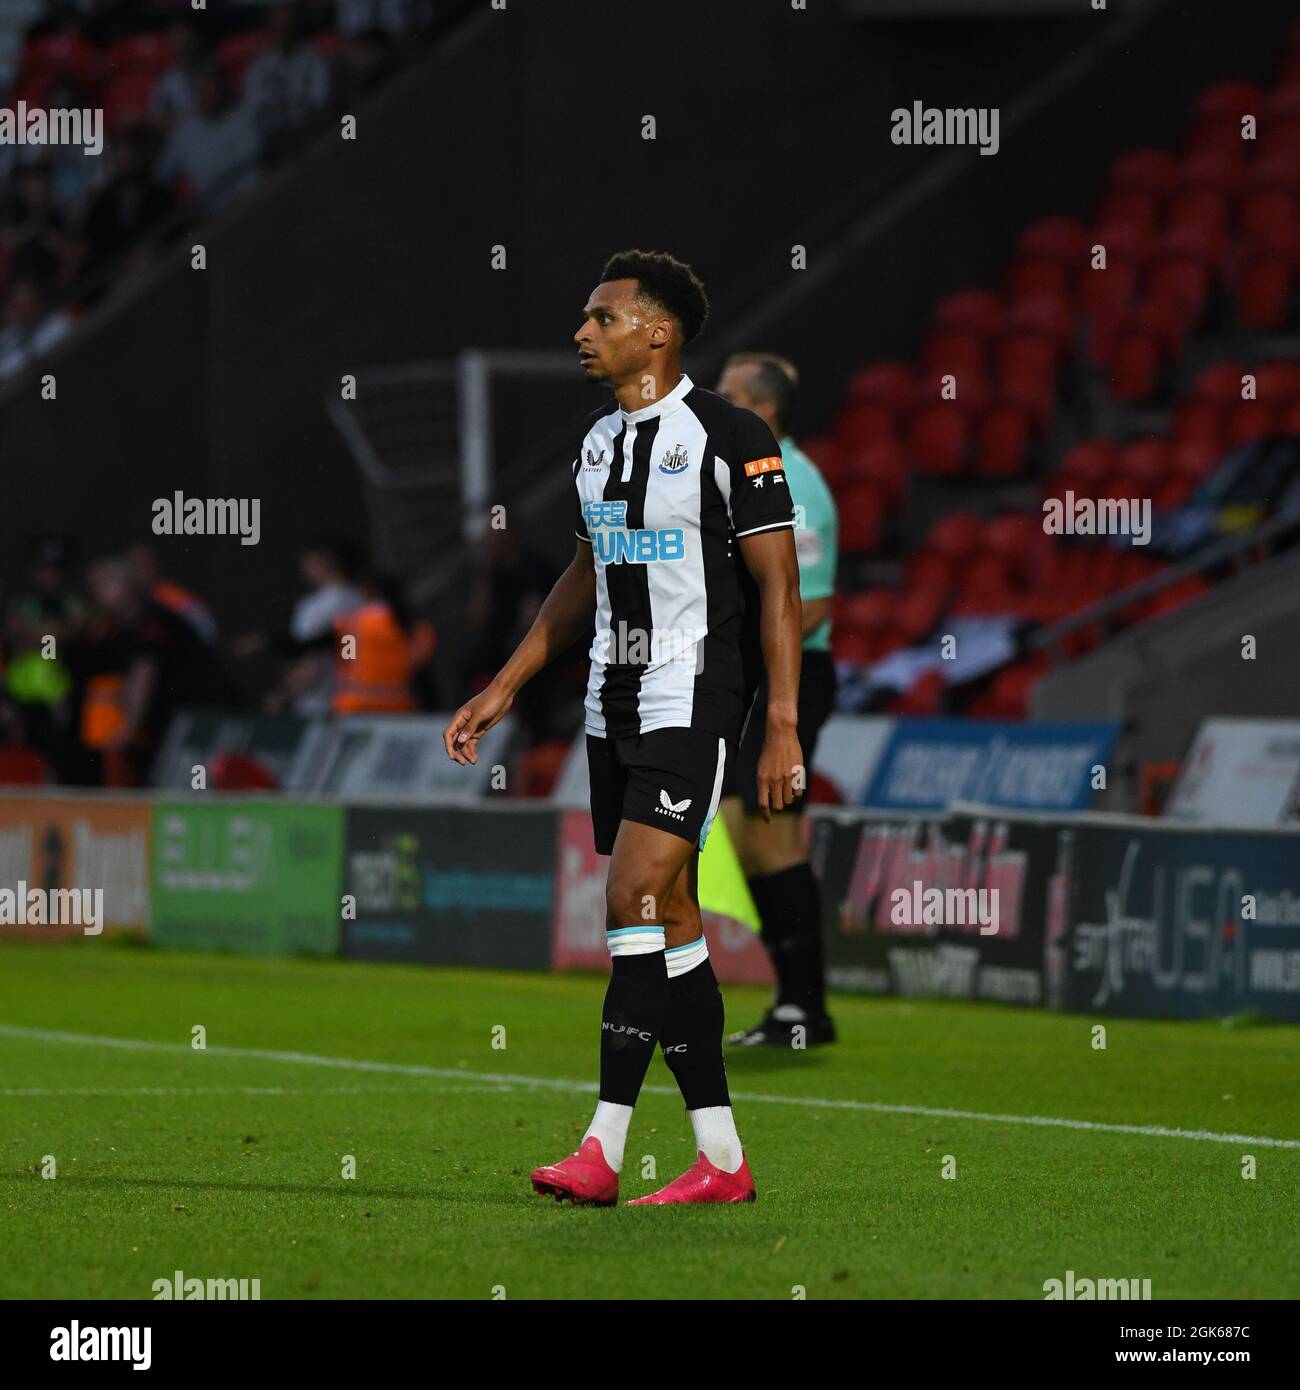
[562, 619]
[771, 559]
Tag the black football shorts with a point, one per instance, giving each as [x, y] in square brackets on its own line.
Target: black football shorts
[817, 685]
[669, 778]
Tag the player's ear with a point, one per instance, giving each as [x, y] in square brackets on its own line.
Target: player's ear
[661, 331]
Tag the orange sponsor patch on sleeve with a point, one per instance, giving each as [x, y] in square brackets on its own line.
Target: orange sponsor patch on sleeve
[756, 466]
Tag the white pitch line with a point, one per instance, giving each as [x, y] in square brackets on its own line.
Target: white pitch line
[312, 1059]
[55, 1092]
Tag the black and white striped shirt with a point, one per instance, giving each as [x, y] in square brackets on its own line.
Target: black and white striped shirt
[662, 493]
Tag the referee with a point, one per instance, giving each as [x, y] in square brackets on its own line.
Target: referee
[772, 852]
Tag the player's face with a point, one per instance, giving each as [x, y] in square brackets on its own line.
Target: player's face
[614, 342]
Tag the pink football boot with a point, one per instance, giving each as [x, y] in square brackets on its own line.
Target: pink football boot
[703, 1183]
[584, 1178]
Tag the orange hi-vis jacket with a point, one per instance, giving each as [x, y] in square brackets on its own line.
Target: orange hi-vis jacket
[377, 680]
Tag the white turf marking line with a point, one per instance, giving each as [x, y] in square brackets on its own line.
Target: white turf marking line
[499, 1079]
[25, 1092]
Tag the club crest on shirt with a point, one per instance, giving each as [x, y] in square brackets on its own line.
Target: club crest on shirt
[674, 460]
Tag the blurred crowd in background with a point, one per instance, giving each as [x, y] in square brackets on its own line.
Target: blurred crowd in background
[195, 108]
[97, 657]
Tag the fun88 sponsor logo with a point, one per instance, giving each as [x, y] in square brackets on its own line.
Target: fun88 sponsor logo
[616, 544]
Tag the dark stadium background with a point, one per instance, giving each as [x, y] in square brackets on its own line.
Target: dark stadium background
[525, 132]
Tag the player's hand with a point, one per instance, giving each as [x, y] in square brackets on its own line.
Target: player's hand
[472, 720]
[776, 764]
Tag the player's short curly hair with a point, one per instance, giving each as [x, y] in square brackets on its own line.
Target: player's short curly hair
[671, 284]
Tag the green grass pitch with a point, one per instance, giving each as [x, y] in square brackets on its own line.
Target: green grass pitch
[228, 1162]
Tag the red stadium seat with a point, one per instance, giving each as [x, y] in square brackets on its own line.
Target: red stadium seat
[1221, 171]
[830, 457]
[1050, 315]
[938, 438]
[1263, 210]
[1220, 383]
[1002, 438]
[236, 772]
[852, 647]
[918, 613]
[126, 98]
[1139, 205]
[1195, 459]
[1133, 363]
[883, 464]
[1279, 137]
[924, 697]
[956, 536]
[147, 52]
[1288, 420]
[1277, 382]
[1111, 288]
[1232, 99]
[539, 768]
[891, 384]
[1014, 536]
[930, 571]
[1088, 463]
[1009, 692]
[1199, 422]
[1261, 291]
[1055, 238]
[1026, 375]
[1172, 492]
[871, 610]
[862, 515]
[1279, 169]
[1153, 171]
[862, 422]
[22, 767]
[1249, 420]
[955, 352]
[1198, 207]
[971, 311]
[1031, 276]
[45, 60]
[1147, 462]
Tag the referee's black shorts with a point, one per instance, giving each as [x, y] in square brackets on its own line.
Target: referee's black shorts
[817, 684]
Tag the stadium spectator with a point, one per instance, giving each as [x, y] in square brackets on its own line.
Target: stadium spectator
[214, 150]
[288, 83]
[175, 94]
[130, 209]
[143, 567]
[44, 623]
[145, 664]
[373, 673]
[392, 17]
[306, 685]
[35, 241]
[31, 326]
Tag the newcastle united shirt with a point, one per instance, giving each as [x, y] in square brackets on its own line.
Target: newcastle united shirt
[663, 493]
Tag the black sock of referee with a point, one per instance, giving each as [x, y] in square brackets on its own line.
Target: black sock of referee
[790, 913]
